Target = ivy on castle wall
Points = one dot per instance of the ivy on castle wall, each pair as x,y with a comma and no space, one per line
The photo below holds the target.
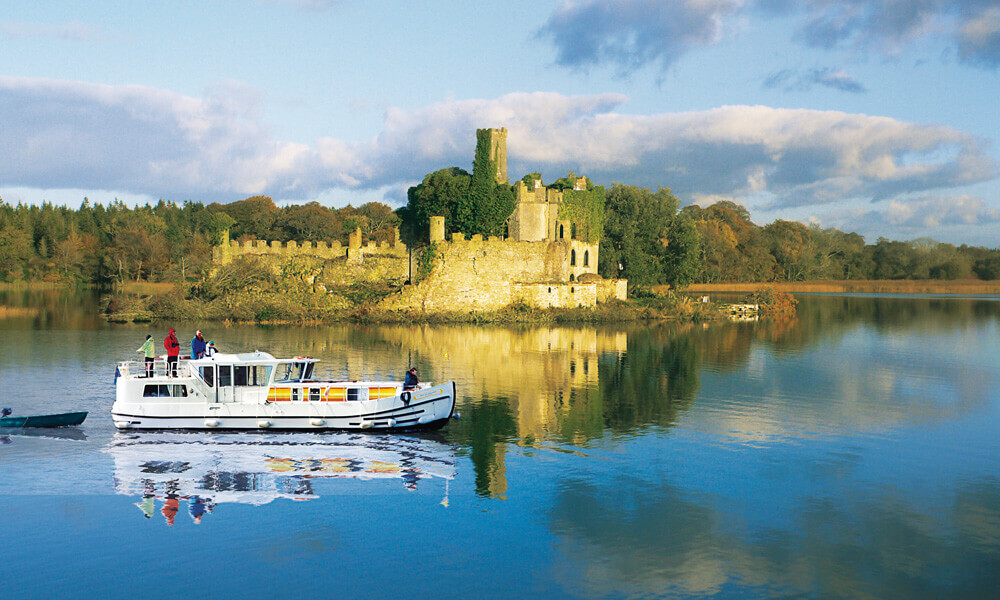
427,260
585,209
491,203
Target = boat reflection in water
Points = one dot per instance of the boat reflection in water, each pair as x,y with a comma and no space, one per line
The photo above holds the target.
206,469
57,433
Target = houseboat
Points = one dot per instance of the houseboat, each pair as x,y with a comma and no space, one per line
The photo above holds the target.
255,390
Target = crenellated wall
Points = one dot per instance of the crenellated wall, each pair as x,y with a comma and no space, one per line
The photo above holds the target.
229,250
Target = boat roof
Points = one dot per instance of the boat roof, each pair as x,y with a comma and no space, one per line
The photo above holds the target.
255,357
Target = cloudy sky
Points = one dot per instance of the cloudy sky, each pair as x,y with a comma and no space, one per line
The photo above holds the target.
879,117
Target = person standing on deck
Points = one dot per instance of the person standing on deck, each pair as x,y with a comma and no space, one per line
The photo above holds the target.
197,346
173,349
150,354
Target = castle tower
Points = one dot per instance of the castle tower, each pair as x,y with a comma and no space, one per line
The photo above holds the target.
498,152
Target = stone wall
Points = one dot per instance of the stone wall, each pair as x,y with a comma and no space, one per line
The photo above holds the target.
326,265
485,275
612,289
536,213
354,252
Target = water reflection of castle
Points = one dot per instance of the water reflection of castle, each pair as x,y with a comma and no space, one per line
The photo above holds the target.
526,383
203,470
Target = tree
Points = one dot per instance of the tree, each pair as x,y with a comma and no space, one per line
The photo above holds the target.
791,244
379,218
987,268
15,251
443,193
636,236
681,257
254,217
733,247
308,222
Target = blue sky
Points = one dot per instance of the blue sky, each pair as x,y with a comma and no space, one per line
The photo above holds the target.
874,117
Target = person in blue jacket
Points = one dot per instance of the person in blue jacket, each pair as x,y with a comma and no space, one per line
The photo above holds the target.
411,380
198,345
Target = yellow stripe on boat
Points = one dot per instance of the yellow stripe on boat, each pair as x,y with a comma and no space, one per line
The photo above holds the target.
381,392
279,394
335,394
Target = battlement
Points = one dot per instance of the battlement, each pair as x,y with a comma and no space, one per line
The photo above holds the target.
354,251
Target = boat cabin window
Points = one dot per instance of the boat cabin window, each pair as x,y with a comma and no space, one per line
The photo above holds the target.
293,371
207,375
225,375
313,394
357,393
251,375
164,391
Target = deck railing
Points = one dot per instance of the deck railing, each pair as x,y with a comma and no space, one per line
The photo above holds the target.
137,368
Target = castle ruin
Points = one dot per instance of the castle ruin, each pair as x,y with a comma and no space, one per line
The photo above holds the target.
539,263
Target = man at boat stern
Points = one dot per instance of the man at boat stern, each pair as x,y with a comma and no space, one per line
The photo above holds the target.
411,380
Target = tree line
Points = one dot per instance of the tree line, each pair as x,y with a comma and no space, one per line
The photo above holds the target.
646,237
103,245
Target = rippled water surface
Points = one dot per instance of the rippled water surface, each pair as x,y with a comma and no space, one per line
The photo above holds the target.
851,453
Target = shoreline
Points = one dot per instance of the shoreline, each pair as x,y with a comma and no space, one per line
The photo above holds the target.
847,286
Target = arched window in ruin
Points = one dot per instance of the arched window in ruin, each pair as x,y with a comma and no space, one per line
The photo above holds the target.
572,257
560,232
572,277
586,258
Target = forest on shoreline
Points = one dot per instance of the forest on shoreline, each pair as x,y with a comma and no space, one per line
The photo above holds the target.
646,237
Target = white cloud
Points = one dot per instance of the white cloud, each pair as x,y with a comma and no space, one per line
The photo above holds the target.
134,139
928,212
139,140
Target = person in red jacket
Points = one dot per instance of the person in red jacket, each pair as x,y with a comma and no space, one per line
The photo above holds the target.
173,349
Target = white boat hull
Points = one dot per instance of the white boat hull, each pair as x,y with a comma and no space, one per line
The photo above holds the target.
428,408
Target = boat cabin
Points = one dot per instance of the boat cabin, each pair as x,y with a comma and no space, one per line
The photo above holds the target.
255,378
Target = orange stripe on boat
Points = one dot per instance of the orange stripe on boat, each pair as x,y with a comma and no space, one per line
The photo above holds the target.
381,392
335,394
279,394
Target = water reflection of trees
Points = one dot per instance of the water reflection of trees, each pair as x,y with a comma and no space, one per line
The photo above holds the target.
625,537
650,384
824,316
60,308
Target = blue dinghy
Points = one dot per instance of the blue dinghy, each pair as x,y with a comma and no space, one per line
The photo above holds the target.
60,420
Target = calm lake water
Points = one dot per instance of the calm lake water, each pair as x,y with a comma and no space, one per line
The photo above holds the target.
851,453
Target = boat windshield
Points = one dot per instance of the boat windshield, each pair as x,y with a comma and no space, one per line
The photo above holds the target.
293,371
